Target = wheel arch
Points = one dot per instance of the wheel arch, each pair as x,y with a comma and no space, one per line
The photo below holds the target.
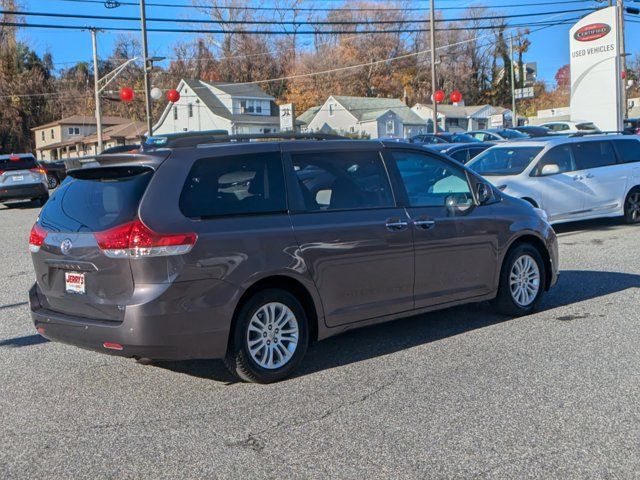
531,201
538,244
288,284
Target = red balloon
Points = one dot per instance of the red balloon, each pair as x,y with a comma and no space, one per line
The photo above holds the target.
623,74
456,96
126,94
173,96
438,96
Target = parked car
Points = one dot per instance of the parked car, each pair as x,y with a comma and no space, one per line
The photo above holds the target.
444,137
498,135
632,126
22,179
570,178
461,152
121,149
571,127
249,251
534,131
56,172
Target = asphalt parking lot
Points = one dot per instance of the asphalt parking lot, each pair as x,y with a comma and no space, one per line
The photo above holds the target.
459,393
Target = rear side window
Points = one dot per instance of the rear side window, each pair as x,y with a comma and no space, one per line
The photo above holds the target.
628,150
461,156
342,180
17,163
593,155
234,185
96,199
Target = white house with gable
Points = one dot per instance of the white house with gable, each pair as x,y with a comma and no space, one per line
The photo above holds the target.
236,108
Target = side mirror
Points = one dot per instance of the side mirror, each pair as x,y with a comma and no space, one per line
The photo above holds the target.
550,169
484,193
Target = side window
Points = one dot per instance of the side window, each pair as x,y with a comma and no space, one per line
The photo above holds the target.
342,180
474,152
234,185
593,154
560,156
461,156
628,150
431,182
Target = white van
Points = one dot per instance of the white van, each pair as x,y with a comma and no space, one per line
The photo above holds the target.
570,178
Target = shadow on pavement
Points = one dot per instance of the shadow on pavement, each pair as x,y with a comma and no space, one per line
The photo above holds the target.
597,225
25,341
357,345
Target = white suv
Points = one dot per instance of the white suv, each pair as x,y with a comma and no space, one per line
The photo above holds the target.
570,178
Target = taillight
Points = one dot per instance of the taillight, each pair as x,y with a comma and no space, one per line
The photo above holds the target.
136,240
36,238
38,170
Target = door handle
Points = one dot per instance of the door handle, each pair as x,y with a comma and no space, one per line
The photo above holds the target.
577,177
424,224
590,175
395,224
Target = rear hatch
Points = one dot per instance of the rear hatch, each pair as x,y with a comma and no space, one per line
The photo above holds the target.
19,170
76,276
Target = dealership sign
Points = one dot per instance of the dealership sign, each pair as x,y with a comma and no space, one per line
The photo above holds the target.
595,67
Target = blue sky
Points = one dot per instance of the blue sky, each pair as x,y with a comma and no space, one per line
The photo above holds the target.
550,47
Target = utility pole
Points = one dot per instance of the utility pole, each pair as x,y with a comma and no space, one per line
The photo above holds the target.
433,66
96,89
623,58
147,66
514,114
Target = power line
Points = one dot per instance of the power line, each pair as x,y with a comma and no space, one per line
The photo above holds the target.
281,22
317,9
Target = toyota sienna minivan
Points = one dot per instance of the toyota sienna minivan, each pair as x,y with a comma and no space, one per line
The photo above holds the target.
249,251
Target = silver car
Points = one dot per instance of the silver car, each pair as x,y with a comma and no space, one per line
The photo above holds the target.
22,178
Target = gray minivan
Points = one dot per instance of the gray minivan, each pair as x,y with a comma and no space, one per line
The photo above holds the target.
249,251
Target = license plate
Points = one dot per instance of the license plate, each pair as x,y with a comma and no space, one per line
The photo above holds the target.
74,282
18,178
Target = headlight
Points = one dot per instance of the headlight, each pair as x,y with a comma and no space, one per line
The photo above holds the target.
542,214
502,188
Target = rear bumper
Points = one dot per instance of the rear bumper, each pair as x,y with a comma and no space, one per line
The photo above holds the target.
181,321
16,192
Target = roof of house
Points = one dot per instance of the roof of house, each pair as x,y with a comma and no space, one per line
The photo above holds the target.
366,109
308,115
462,111
241,90
213,103
83,120
129,131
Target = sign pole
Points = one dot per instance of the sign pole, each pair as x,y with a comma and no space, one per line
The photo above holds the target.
514,115
432,29
623,58
96,89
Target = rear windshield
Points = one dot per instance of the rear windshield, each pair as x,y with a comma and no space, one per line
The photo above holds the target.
586,126
24,163
513,134
96,199
504,160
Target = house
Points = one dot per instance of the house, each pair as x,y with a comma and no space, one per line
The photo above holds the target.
460,117
374,117
306,117
235,107
75,136
557,114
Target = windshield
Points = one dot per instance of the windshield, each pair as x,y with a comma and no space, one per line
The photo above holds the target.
504,160
464,138
513,134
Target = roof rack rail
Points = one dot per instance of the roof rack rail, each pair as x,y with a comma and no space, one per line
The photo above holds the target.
193,139
606,132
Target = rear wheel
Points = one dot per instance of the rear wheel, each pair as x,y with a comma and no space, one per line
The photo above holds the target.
52,181
632,206
270,337
522,281
41,200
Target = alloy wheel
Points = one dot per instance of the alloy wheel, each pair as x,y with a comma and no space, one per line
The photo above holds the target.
272,335
524,280
633,207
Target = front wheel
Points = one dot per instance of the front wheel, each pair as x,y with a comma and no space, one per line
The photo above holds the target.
270,337
52,181
522,281
632,206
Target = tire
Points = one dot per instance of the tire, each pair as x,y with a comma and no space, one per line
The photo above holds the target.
40,201
256,312
514,301
632,206
52,181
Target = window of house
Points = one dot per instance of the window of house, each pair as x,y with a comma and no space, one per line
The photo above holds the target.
74,130
53,133
258,107
391,127
191,110
175,112
42,135
331,109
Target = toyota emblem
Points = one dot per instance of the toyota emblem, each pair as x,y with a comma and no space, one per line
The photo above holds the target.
65,246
